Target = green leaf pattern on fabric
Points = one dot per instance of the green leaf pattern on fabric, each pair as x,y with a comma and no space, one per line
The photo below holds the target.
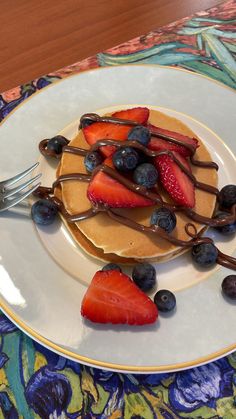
210,50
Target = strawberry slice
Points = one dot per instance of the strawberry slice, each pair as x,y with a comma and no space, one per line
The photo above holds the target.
139,115
175,181
103,189
109,162
106,130
161,144
113,298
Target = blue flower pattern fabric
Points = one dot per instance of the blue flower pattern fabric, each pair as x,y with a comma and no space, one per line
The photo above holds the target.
37,383
48,392
60,388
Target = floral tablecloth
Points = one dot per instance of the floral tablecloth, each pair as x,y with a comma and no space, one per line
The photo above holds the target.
35,382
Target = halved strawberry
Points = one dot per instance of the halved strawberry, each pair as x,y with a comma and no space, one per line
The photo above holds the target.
138,114
106,130
175,181
161,144
113,298
109,162
103,189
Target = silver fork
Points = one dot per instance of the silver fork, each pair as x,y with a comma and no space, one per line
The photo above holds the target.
9,197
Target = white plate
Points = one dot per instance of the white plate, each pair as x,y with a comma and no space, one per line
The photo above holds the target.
43,299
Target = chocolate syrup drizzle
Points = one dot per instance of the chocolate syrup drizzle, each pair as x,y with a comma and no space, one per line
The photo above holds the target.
157,132
153,195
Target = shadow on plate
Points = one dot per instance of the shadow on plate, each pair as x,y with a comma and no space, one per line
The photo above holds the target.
122,327
21,211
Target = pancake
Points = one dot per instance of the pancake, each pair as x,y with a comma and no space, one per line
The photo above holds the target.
86,244
105,238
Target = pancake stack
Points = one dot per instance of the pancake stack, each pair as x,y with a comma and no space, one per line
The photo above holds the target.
107,239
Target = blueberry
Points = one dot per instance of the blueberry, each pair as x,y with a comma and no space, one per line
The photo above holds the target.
146,175
111,267
44,212
56,144
229,286
86,122
165,300
140,134
144,276
164,218
125,159
143,158
92,160
228,228
227,196
205,254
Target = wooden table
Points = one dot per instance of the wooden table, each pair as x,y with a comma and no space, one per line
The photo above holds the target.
39,36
